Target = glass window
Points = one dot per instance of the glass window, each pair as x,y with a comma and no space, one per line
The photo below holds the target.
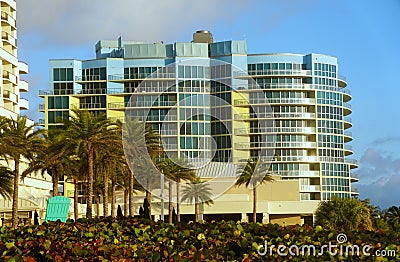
56,75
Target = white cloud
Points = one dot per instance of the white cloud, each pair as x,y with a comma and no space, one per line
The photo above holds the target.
73,21
379,174
384,192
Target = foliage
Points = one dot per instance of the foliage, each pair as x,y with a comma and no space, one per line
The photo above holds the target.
343,214
128,239
6,182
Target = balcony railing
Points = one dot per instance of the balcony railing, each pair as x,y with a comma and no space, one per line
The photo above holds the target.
348,147
292,86
347,105
87,106
304,130
41,107
351,161
141,76
271,72
310,188
299,173
248,116
90,78
348,133
244,145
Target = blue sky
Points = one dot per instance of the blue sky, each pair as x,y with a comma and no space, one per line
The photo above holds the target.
364,35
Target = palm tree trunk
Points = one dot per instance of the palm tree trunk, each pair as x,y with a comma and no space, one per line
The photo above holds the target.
178,201
15,194
113,196
76,211
126,193
131,208
55,183
254,205
196,211
169,201
148,196
105,194
90,185
97,206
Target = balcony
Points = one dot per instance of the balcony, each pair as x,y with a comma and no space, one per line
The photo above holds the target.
342,82
271,72
23,86
9,77
354,191
23,104
88,106
354,177
41,108
346,108
8,38
348,136
298,101
89,79
7,18
141,76
23,67
347,122
353,162
10,96
298,173
253,145
273,130
256,88
249,117
310,188
41,122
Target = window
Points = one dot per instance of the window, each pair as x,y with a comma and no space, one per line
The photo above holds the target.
62,74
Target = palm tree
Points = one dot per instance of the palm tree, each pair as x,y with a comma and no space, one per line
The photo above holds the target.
343,214
18,140
393,216
141,146
176,170
6,182
198,192
251,175
89,134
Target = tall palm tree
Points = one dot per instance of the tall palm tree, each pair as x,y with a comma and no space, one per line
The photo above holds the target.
198,192
251,175
18,140
141,146
175,170
6,182
89,134
186,173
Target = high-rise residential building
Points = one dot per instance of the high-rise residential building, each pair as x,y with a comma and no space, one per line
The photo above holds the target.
12,86
213,102
34,189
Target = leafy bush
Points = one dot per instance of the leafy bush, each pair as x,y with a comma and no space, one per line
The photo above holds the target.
129,239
